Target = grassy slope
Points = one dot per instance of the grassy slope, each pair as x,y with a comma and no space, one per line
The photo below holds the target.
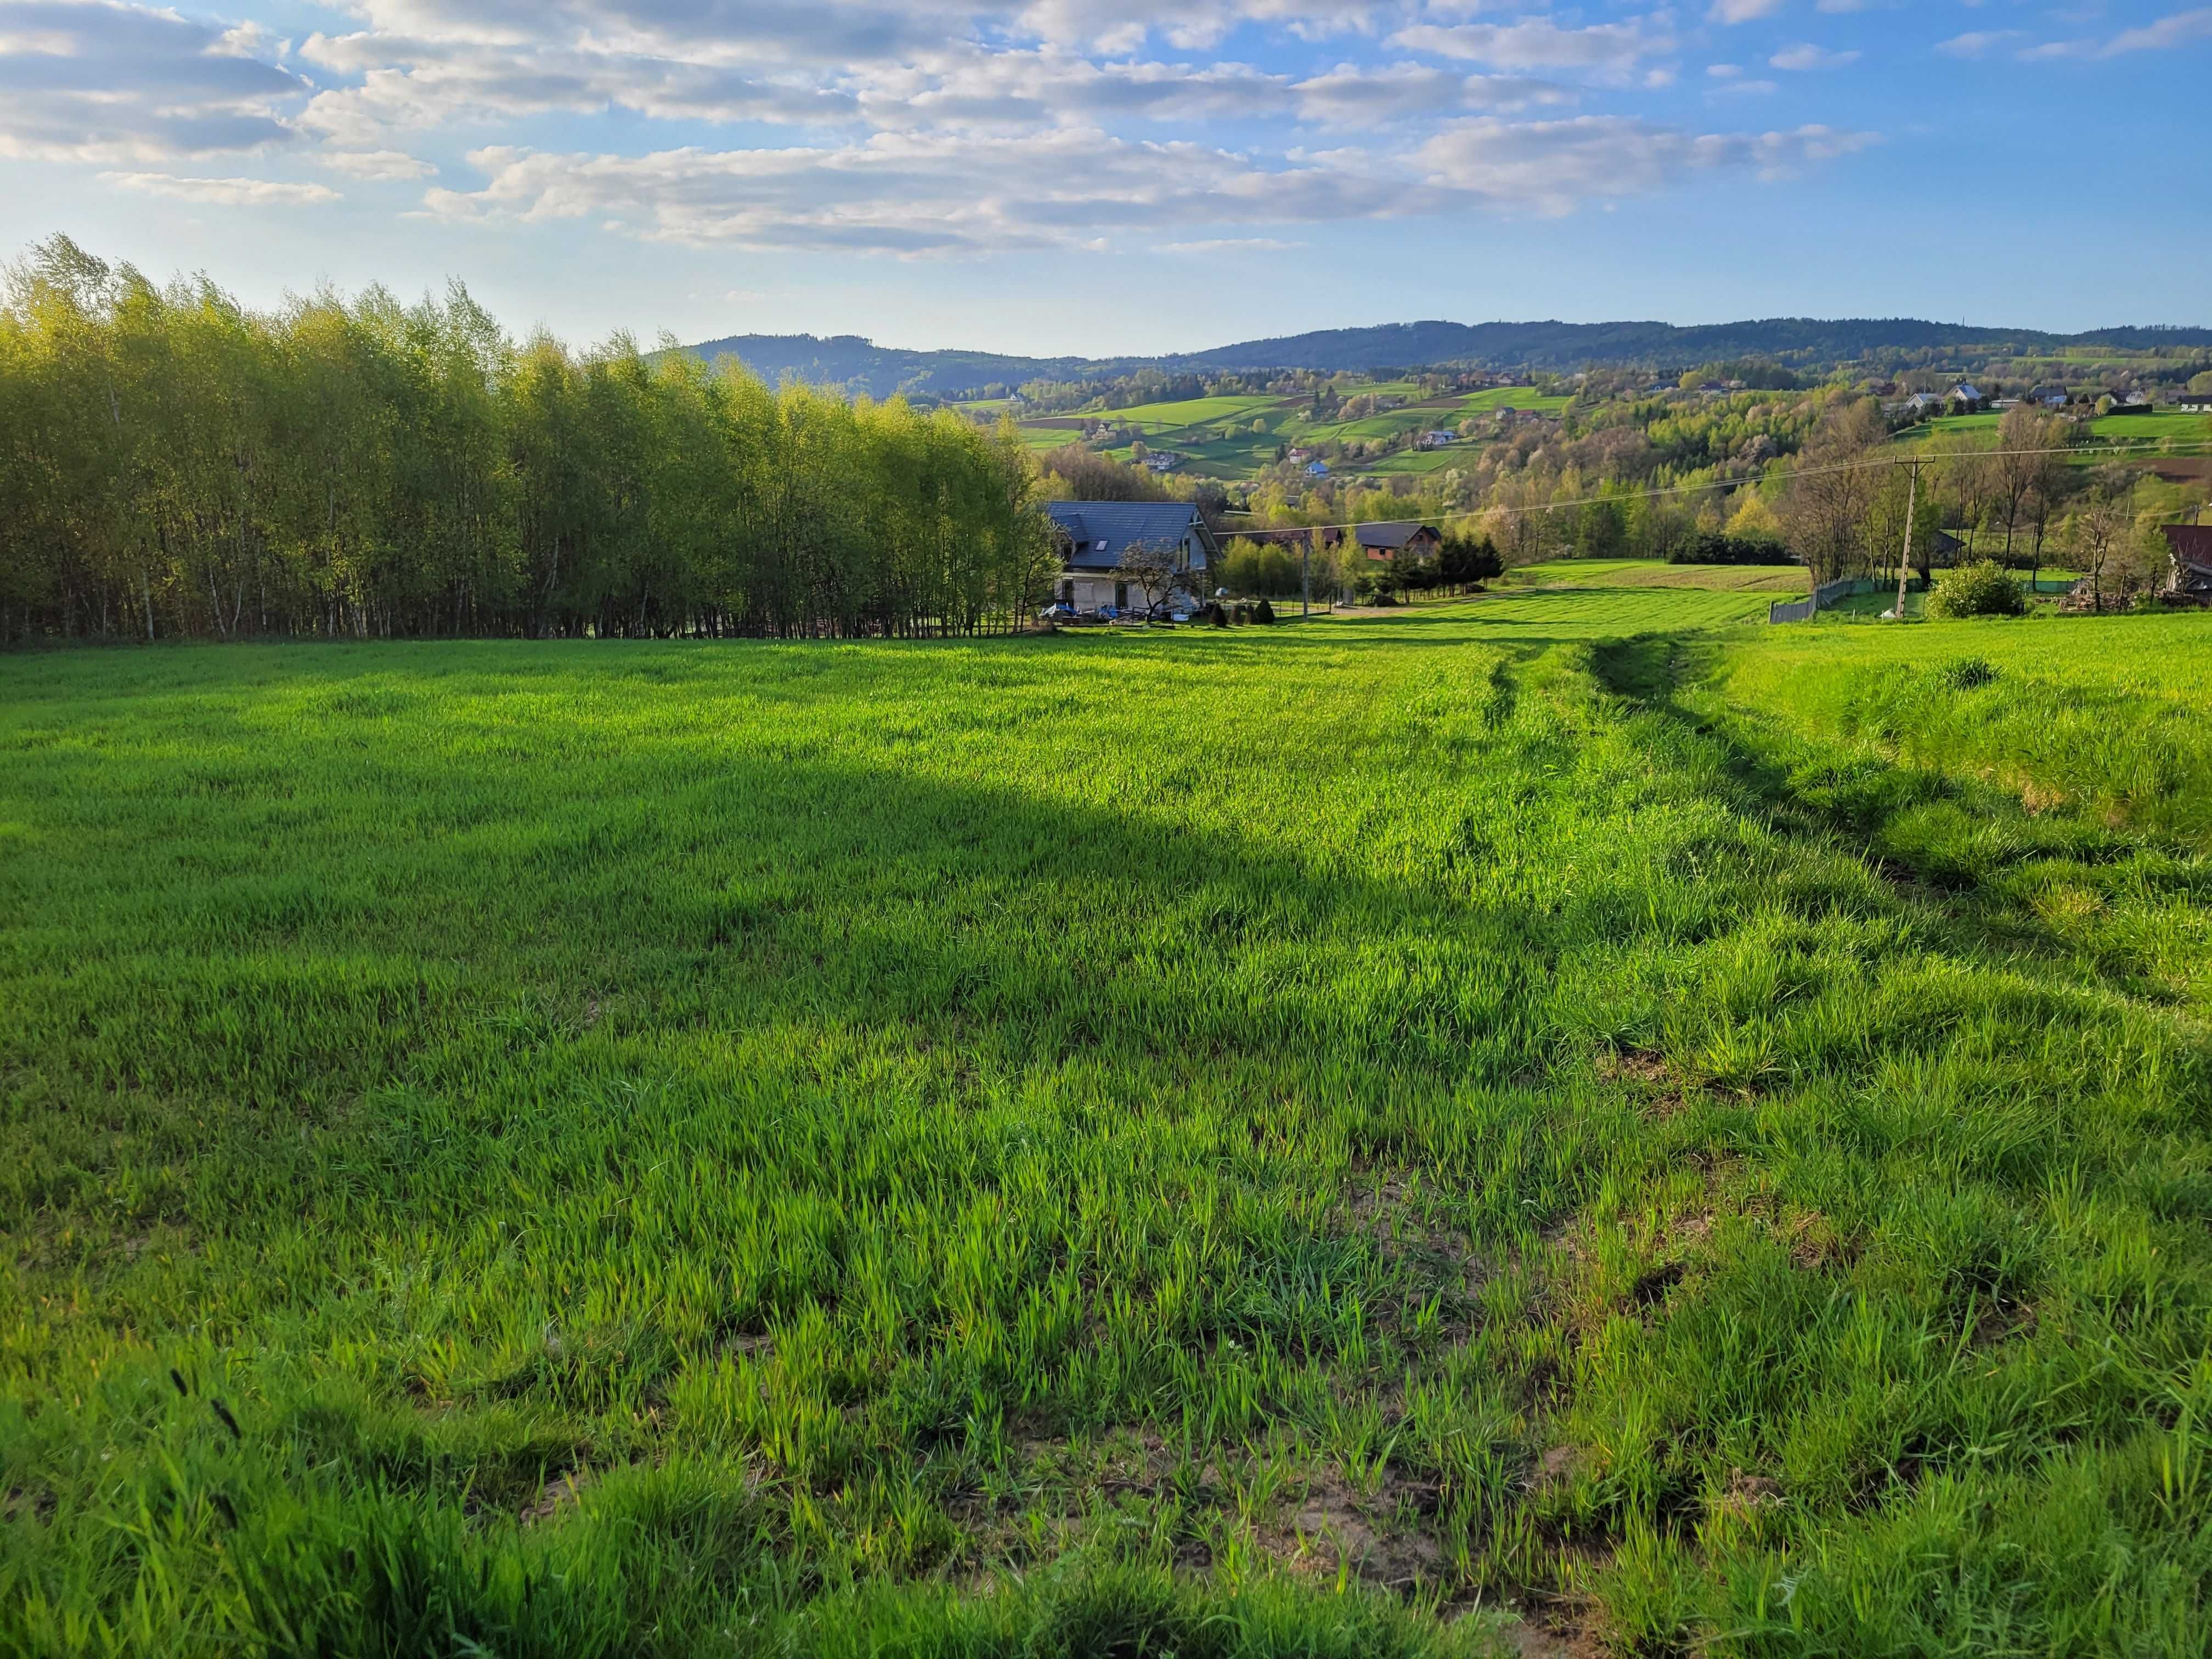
1193,427
2107,428
1517,1143
2110,715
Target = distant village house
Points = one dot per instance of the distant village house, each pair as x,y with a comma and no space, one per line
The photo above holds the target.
1096,536
1384,542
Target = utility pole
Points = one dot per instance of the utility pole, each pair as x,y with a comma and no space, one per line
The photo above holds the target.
1305,575
1904,556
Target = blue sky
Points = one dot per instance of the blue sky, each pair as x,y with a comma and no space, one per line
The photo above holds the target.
1102,176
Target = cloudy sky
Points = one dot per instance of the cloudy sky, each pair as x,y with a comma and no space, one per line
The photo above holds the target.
1131,175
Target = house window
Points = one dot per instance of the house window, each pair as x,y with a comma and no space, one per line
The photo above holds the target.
1067,593
1121,595
1102,547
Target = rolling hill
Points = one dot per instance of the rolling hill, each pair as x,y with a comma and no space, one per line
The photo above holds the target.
859,365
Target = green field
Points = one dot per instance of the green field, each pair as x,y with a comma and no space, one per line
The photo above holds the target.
1527,402
1195,411
1419,461
2107,428
1770,582
1552,1123
1194,427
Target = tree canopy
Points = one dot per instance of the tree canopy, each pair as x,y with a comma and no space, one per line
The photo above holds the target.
174,464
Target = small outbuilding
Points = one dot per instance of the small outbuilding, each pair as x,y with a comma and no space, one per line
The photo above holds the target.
2190,578
1386,542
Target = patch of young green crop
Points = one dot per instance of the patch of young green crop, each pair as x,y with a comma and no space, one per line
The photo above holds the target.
1421,461
1519,398
1770,580
2103,712
1193,412
1095,1143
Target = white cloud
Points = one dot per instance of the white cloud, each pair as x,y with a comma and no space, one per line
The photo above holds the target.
223,192
924,194
379,164
103,82
1742,11
1975,43
1555,166
913,194
410,85
1235,245
900,127
2178,30
1352,96
1536,43
1806,56
2166,34
975,89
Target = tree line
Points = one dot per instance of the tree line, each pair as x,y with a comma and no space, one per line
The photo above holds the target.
1820,482
175,465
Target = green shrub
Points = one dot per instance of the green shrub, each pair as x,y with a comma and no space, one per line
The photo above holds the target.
1984,588
1967,673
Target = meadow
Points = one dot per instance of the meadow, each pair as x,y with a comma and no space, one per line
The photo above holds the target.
1556,1124
1215,434
2146,430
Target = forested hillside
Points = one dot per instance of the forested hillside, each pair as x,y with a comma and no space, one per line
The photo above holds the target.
174,464
860,365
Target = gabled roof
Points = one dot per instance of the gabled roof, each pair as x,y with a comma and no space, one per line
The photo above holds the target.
2191,544
1103,531
1392,535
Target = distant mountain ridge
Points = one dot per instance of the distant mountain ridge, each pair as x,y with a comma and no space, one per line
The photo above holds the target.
859,365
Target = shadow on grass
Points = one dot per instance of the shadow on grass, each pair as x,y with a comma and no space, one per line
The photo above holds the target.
1957,847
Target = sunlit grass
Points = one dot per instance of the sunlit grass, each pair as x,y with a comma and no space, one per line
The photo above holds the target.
1215,1142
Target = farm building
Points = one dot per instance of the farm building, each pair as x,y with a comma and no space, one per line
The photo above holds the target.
2191,545
1966,395
1389,541
2050,397
1438,440
1096,536
2194,403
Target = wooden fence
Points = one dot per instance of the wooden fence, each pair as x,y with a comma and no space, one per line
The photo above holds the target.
1823,596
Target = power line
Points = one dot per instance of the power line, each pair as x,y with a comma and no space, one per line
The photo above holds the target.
2170,446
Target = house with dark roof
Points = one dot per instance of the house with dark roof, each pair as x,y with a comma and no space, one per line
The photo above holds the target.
1385,542
1094,536
1966,395
2190,547
2050,397
2194,403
